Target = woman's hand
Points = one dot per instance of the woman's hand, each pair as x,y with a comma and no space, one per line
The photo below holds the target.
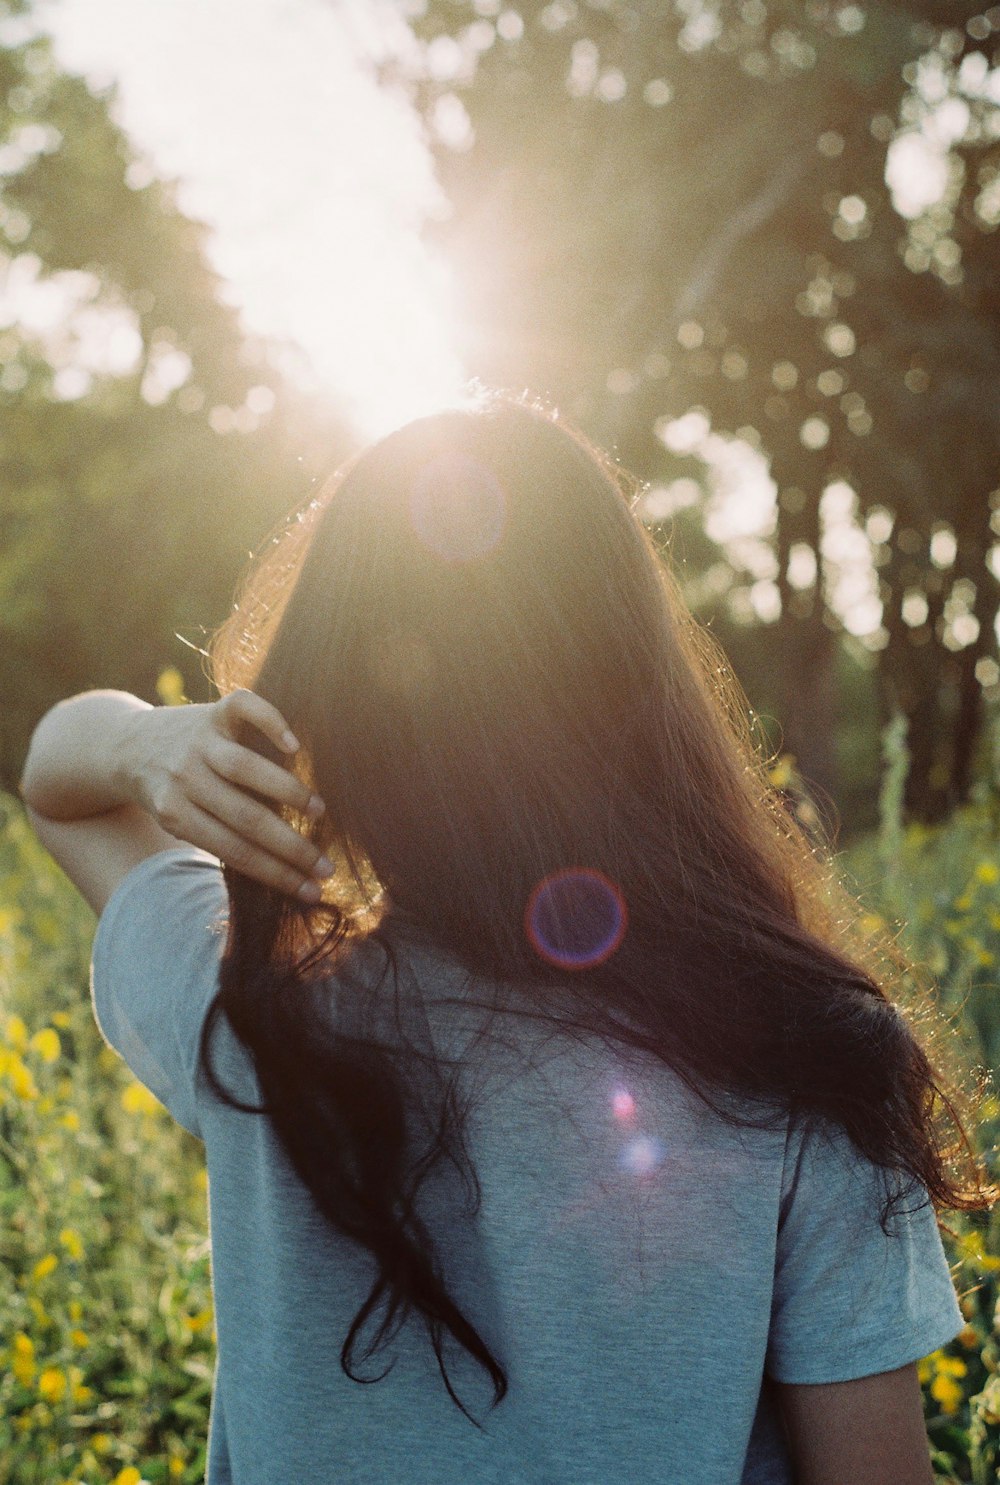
97,756
187,766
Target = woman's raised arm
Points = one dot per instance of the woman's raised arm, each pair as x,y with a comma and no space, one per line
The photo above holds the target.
110,780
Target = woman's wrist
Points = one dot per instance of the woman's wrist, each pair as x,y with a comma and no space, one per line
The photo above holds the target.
87,756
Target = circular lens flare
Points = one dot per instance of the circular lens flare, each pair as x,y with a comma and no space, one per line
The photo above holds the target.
642,1155
576,918
457,507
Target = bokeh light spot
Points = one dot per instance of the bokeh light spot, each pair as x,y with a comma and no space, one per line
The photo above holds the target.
458,507
576,918
623,1105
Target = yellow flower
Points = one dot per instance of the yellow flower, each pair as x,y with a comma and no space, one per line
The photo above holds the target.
44,1266
79,1338
70,1120
46,1043
176,1465
986,957
951,1366
199,1321
988,873
947,1392
780,773
20,1078
128,1476
201,1178
17,1033
70,1240
60,1019
137,1099
52,1384
75,1310
23,1360
101,1443
41,1314
82,1394
170,687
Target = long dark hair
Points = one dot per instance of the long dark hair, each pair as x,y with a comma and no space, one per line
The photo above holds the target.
533,756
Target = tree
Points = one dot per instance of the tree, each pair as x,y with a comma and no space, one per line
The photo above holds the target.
146,442
666,207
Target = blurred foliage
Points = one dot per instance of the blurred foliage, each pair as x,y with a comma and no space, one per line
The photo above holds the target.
146,443
661,209
105,1307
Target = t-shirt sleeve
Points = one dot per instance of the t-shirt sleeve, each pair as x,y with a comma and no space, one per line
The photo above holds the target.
155,970
849,1300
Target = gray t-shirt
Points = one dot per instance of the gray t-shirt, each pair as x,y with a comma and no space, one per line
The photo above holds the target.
642,1269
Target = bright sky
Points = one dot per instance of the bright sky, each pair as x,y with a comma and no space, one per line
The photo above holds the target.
316,181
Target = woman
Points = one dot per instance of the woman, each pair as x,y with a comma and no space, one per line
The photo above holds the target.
542,1082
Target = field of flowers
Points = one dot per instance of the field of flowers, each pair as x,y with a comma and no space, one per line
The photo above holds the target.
106,1339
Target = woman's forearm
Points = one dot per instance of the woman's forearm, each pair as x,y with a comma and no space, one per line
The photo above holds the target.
82,758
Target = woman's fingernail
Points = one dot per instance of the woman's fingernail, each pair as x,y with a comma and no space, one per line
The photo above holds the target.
290,741
315,808
310,892
323,868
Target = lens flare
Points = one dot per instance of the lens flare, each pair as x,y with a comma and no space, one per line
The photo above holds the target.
642,1156
457,507
576,918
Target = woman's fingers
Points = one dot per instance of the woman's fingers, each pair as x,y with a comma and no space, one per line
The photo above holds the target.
254,824
212,834
247,769
247,706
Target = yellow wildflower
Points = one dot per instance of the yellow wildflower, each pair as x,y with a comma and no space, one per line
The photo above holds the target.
107,1059
987,872
101,1443
46,1103
947,1392
199,1321
79,1338
176,1465
23,1359
951,1366
47,1044
17,1033
781,771
170,687
986,957
128,1476
52,1384
20,1078
60,1019
82,1394
41,1314
70,1240
70,1120
44,1266
137,1099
